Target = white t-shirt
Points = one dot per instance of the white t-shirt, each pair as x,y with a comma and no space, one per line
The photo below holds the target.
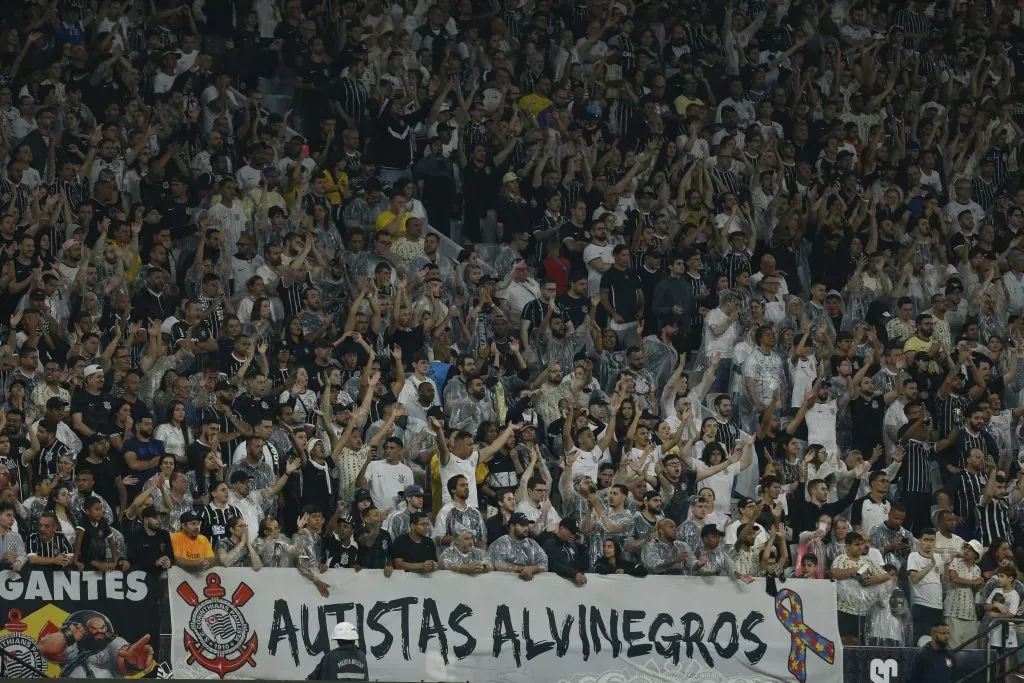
466,468
721,483
386,481
533,513
948,548
821,425
722,345
588,463
804,372
928,591
730,534
591,252
1012,602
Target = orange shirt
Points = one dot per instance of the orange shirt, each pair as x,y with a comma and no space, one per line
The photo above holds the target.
187,549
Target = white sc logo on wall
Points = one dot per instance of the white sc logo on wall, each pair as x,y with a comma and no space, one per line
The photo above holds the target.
884,671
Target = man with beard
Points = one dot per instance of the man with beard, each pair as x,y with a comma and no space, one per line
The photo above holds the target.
46,453
142,453
645,525
84,491
459,516
397,523
86,647
420,392
475,408
555,343
150,548
516,552
457,388
933,663
232,428
923,340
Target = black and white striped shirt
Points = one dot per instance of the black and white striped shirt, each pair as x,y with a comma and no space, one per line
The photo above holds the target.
727,435
966,441
994,521
352,97
56,546
915,474
214,522
697,287
984,192
969,488
946,411
736,262
76,191
912,22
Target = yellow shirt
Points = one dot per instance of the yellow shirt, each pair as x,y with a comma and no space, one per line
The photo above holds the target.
184,547
341,183
682,102
385,218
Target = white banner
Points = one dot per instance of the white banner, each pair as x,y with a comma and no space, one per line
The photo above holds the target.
497,628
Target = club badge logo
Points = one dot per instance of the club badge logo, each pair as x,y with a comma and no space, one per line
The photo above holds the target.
217,636
19,654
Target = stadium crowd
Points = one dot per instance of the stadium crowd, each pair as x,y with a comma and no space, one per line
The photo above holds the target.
669,287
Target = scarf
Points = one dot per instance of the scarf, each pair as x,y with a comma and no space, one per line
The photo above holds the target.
323,468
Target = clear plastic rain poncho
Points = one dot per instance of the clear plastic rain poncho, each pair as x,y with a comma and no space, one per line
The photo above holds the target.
889,616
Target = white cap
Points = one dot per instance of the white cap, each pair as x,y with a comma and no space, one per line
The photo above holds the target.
976,547
91,370
345,631
310,445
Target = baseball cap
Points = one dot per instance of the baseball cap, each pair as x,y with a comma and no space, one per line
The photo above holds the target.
413,490
509,177
224,385
709,529
844,335
518,518
238,477
91,370
598,400
346,519
363,494
570,524
188,516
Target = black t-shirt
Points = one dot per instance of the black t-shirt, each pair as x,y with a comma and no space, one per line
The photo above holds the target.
144,550
867,415
576,309
105,474
410,341
404,549
622,286
95,409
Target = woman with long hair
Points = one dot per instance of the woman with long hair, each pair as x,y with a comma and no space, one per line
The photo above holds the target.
295,341
261,322
59,503
304,398
175,433
612,561
835,543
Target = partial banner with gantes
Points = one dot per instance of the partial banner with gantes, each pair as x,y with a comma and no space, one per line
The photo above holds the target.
273,624
71,624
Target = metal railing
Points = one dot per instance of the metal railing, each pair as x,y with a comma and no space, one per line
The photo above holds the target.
990,664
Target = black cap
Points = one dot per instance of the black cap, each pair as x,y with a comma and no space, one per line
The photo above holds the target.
598,399
346,519
150,511
188,516
436,412
518,518
413,490
652,494
648,415
56,402
844,335
363,494
743,502
570,524
224,385
240,476
709,529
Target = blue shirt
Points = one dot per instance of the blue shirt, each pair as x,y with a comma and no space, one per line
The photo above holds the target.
931,666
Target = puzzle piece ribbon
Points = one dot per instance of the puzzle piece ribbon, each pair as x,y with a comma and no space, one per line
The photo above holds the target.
801,635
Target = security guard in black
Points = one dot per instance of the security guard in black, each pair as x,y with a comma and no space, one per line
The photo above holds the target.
344,663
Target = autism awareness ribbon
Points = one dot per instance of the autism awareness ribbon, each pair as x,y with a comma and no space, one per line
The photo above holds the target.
801,635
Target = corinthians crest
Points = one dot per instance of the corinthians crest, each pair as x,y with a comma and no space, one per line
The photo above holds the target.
19,654
217,634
